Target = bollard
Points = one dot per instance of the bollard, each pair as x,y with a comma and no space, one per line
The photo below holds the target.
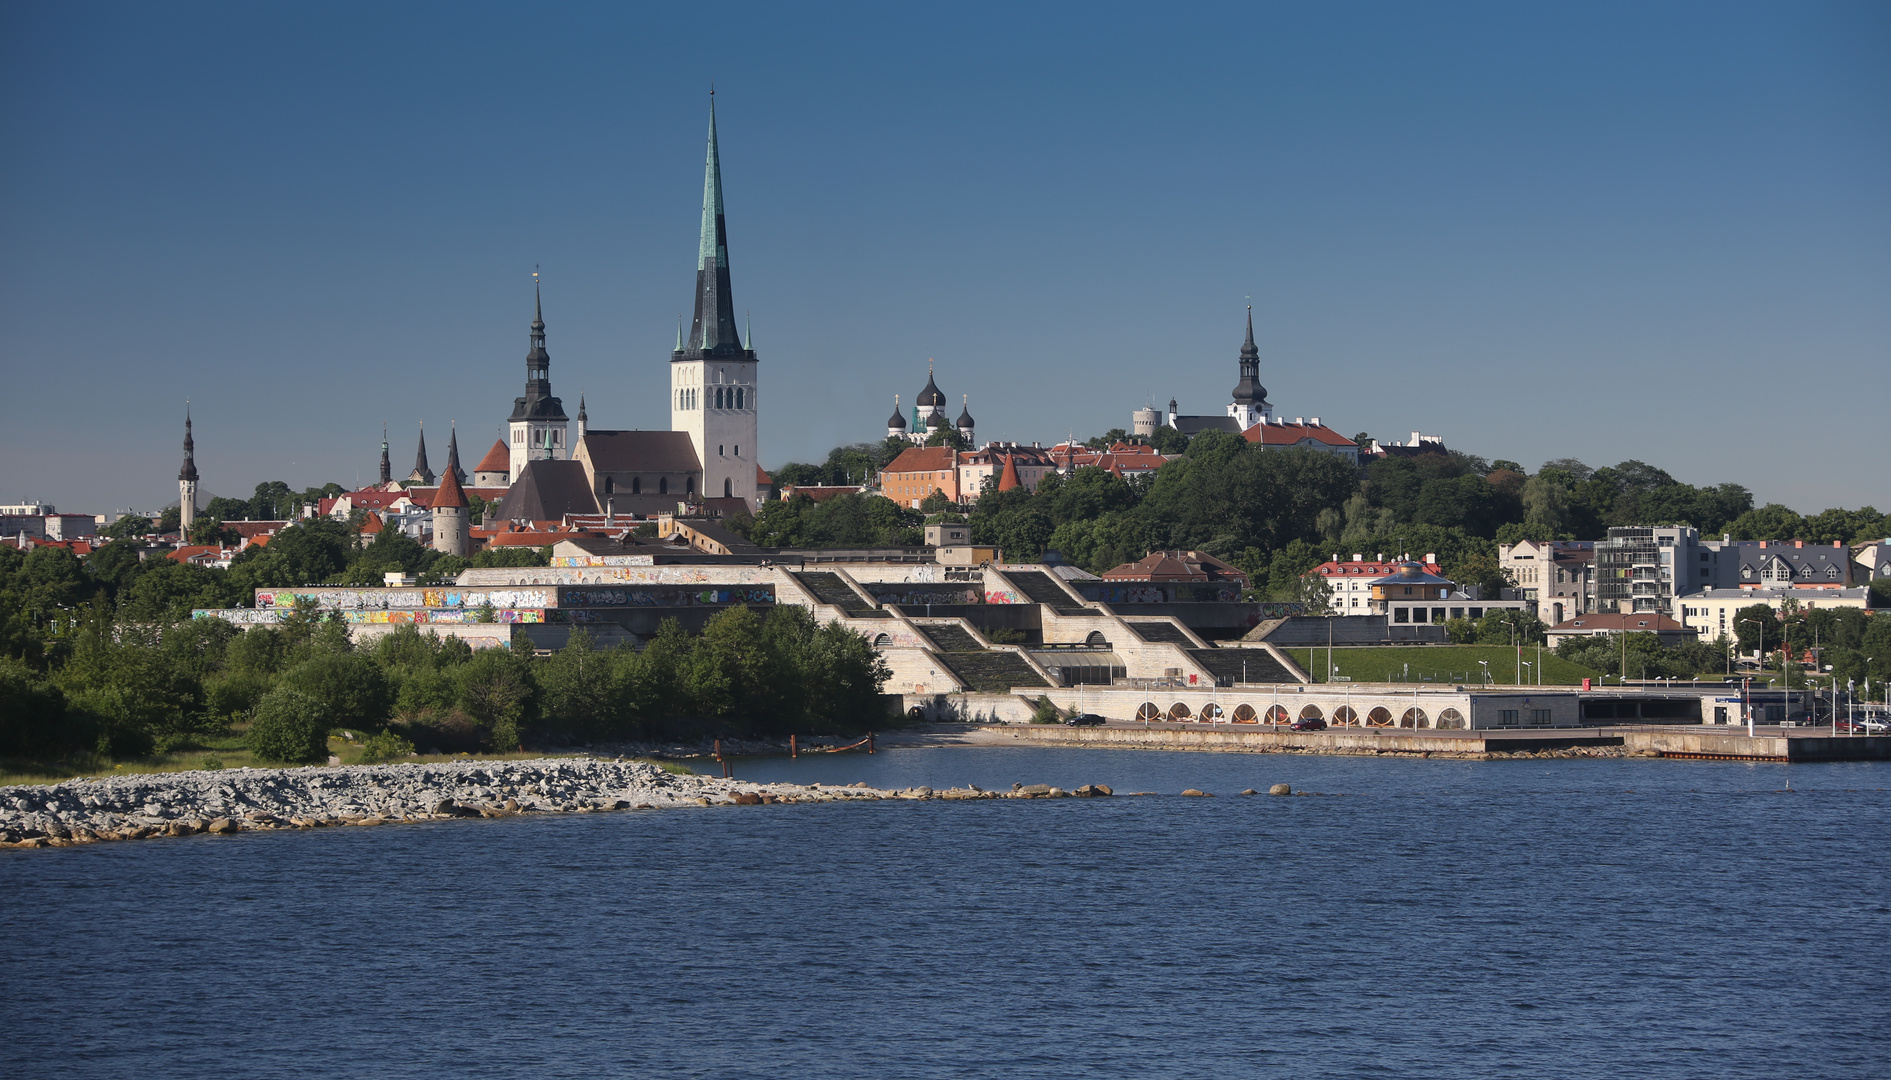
869,742
792,752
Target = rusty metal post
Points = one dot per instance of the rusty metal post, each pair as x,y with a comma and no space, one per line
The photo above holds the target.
869,742
792,752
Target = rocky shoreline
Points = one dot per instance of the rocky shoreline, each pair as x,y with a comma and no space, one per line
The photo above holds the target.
142,806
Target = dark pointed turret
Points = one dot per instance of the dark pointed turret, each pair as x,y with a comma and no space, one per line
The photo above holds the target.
422,473
387,467
713,332
538,402
896,422
1249,392
453,455
189,471
965,413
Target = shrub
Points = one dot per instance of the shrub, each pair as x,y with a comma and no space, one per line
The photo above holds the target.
384,746
1045,713
290,727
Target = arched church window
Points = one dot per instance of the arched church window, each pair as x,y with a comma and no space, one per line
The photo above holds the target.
718,397
726,489
738,397
610,485
689,486
663,485
636,485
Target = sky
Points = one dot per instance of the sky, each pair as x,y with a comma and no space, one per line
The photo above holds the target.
1603,231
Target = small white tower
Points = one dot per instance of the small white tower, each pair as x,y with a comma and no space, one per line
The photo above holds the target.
449,516
187,481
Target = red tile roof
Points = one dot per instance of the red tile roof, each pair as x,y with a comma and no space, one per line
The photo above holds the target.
1652,622
1176,566
449,494
924,459
498,459
371,524
1009,478
1278,434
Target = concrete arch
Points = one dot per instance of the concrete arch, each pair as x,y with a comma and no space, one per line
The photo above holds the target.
1451,718
1380,716
1311,712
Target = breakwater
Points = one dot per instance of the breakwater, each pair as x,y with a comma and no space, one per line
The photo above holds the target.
227,801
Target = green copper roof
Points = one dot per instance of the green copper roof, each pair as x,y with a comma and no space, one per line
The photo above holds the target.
712,201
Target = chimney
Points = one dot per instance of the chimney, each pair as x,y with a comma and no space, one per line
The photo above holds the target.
1431,558
1300,421
1359,556
1799,543
1380,557
1316,421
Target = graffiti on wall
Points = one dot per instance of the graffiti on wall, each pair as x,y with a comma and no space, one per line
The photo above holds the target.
931,595
593,597
1004,596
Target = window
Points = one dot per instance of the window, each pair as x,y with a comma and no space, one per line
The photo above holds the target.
663,485
1506,718
636,485
738,397
1540,717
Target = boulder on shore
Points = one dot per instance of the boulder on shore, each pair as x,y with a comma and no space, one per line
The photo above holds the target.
1281,789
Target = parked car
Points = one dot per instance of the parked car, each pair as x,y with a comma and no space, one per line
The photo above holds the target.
1088,719
1308,723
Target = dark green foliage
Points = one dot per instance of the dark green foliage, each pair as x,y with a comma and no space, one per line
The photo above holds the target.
289,727
495,689
33,715
350,687
512,556
845,521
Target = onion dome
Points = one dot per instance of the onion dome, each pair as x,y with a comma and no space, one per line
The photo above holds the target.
896,420
936,420
965,414
930,397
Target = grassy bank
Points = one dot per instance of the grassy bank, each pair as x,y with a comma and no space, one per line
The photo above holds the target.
1441,664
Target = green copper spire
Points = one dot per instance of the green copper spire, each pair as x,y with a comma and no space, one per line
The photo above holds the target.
712,331
714,248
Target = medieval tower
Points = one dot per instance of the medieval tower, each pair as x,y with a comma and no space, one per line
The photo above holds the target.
712,372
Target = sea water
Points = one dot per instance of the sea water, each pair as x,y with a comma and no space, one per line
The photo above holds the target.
1400,918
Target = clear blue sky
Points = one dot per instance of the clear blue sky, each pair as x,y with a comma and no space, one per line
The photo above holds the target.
1606,231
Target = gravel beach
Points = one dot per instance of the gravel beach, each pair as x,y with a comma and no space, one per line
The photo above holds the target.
239,800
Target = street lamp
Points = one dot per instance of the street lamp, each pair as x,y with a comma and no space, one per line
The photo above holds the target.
1485,664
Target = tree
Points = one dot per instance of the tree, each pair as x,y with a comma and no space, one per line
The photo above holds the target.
1475,570
127,527
575,685
289,727
946,436
1769,522
349,686
496,691
1757,628
1167,440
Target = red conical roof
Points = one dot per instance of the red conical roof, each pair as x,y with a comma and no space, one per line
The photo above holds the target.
449,493
1009,478
498,459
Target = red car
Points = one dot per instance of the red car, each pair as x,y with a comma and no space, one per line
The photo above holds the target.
1307,723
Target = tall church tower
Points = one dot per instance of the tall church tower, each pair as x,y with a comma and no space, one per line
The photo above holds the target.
538,419
712,372
1249,406
187,482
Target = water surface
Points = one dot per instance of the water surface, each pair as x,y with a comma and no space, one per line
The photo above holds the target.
1569,918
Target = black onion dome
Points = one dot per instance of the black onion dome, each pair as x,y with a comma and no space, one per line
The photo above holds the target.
896,420
965,417
930,397
936,420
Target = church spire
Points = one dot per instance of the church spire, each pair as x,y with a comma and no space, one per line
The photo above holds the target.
387,469
1250,397
453,454
713,330
189,471
538,402
422,474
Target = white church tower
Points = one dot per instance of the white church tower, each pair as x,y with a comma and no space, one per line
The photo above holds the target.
712,372
187,483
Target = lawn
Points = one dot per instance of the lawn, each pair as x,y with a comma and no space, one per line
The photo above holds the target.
1441,664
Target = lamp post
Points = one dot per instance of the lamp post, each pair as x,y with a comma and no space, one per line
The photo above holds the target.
1485,664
